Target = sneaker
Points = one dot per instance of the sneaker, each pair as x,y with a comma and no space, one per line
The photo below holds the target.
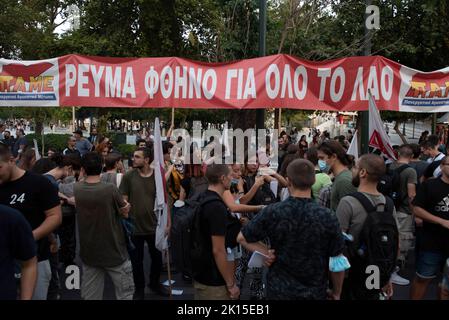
397,279
160,290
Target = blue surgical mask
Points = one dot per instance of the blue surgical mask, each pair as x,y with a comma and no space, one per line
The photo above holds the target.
322,164
235,181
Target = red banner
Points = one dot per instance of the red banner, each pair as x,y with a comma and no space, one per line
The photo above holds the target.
274,81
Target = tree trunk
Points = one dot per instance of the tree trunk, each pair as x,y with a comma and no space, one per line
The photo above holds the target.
39,119
396,128
243,119
39,127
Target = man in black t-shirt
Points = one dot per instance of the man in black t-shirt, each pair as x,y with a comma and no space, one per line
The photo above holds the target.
16,243
37,199
213,275
432,206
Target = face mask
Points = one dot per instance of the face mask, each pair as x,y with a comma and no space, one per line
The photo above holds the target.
322,164
235,181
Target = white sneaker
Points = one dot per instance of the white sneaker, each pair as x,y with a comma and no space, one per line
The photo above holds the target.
397,279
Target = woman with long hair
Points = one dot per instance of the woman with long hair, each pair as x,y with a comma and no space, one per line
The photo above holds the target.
303,142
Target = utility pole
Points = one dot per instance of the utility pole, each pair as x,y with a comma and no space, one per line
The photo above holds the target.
364,115
260,113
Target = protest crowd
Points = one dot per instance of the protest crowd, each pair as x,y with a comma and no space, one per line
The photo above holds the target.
308,230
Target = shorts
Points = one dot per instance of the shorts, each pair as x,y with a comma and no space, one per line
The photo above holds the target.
445,280
429,264
234,253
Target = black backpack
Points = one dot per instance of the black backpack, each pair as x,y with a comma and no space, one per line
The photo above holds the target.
186,237
263,196
390,185
197,185
379,240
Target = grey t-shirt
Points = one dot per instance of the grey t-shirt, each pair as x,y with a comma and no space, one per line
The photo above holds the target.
352,215
102,241
341,187
407,176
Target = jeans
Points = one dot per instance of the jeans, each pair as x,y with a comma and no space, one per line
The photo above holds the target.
43,280
137,261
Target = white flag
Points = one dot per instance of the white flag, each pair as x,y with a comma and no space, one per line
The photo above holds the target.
225,140
378,138
354,147
160,206
36,150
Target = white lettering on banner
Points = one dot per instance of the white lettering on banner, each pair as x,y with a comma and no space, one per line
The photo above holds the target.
272,92
231,74
96,75
323,73
387,75
151,82
70,78
287,82
358,84
83,80
373,83
338,73
250,86
210,92
181,81
112,83
386,84
240,84
113,86
250,83
288,88
128,87
195,82
300,72
166,84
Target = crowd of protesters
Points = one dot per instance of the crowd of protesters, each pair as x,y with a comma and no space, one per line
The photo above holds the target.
311,219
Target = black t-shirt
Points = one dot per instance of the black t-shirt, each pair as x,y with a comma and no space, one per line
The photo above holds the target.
433,196
213,223
16,242
32,195
232,230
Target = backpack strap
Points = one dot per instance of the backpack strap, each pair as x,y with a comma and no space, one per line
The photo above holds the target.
389,205
364,201
369,207
402,168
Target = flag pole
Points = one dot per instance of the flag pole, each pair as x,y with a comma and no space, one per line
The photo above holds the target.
280,119
173,117
167,252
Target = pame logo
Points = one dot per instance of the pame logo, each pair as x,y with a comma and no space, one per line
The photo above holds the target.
26,82
428,90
